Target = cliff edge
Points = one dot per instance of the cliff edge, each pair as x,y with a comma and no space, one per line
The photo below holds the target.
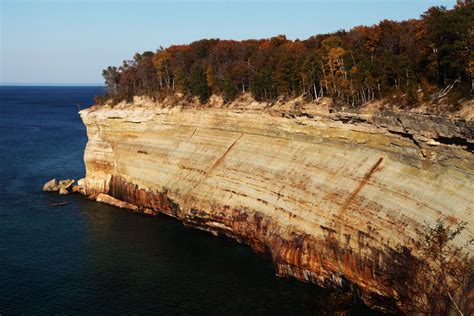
334,198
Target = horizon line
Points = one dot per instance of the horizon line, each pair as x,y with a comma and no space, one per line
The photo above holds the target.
51,84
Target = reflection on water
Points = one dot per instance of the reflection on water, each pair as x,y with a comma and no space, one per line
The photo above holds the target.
90,258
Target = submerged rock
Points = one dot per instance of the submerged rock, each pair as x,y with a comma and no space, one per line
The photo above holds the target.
51,186
59,204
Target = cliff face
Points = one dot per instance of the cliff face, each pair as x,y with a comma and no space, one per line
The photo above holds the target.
332,197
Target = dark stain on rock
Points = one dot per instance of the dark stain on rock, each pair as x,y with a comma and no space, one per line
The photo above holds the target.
361,185
120,189
222,157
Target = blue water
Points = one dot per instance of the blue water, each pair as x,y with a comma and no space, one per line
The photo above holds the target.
87,258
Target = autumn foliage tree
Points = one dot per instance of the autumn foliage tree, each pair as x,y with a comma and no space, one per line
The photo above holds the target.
427,58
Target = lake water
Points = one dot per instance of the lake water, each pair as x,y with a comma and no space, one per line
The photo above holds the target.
87,258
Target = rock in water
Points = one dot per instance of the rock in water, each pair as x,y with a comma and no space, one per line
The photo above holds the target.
61,186
65,184
79,188
59,204
107,199
51,185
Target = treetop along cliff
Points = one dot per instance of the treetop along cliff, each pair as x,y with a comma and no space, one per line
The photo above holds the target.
419,60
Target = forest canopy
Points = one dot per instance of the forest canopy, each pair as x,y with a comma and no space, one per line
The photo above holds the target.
422,59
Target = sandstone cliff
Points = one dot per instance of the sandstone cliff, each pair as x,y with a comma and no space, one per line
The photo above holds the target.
333,197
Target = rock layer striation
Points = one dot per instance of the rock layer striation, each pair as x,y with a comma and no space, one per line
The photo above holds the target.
332,197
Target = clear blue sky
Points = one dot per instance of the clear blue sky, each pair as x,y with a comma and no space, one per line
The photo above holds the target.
71,41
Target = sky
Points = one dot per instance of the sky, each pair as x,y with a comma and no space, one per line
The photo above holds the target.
69,42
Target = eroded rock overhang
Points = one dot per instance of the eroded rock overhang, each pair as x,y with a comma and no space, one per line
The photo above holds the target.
336,199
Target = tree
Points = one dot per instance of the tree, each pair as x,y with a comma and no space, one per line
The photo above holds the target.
444,271
451,38
198,83
112,79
